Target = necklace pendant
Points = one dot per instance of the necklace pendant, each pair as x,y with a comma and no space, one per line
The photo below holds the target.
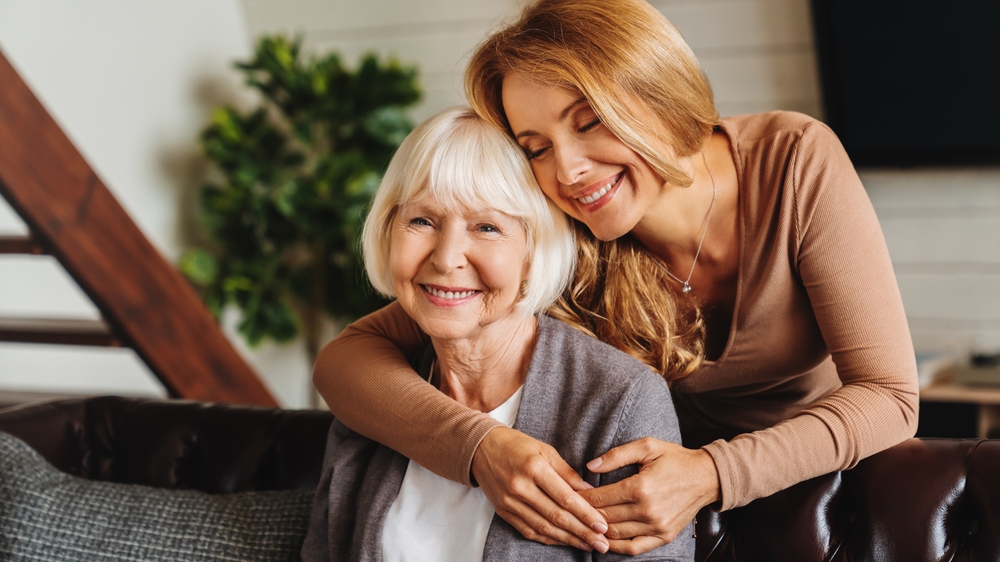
686,288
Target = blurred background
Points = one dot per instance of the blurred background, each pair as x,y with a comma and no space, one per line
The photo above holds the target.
134,84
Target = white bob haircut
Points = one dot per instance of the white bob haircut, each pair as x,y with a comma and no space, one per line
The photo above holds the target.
463,162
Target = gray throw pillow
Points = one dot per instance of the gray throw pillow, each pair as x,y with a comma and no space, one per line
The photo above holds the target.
47,515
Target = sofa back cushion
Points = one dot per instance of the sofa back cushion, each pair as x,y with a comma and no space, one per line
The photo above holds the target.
47,515
177,444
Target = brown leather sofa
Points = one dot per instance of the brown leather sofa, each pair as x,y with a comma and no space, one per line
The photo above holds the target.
924,500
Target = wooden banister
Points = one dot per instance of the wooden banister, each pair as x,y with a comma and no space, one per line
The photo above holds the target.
141,296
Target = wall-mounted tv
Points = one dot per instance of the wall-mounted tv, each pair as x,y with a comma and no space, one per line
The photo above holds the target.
911,82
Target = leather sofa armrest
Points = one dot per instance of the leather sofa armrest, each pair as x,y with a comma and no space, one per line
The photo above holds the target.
54,429
215,448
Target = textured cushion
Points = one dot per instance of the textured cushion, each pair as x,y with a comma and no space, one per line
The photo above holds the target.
47,515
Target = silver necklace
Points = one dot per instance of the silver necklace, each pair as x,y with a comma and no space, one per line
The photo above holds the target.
708,216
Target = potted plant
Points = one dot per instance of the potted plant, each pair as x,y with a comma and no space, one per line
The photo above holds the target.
291,183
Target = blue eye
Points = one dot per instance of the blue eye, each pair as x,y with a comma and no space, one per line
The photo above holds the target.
420,221
488,228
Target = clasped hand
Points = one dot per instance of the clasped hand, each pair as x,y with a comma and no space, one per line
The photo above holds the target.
533,489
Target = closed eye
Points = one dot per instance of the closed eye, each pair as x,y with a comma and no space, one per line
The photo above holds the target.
532,154
590,125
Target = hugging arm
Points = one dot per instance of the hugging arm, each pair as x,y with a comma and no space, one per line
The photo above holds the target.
367,381
646,419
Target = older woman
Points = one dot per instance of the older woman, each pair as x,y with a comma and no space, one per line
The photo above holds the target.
740,257
473,253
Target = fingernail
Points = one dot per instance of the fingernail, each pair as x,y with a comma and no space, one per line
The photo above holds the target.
601,547
599,527
588,485
595,464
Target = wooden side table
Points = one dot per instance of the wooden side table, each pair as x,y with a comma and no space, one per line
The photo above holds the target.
986,398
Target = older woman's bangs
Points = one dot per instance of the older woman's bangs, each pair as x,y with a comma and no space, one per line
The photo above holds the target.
475,166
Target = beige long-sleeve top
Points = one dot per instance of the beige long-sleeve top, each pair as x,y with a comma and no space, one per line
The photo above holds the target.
818,371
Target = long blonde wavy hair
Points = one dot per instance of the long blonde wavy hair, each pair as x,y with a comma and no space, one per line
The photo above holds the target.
648,88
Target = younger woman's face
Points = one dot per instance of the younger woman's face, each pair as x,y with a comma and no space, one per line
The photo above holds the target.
578,162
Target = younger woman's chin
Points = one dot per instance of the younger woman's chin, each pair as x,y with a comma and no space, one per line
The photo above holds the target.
606,231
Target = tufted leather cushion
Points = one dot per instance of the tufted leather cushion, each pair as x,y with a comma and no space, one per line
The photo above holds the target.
176,444
923,500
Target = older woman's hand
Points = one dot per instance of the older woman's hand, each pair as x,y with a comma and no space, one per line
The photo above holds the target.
532,488
650,509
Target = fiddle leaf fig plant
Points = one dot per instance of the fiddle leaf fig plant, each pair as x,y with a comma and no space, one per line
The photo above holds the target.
290,184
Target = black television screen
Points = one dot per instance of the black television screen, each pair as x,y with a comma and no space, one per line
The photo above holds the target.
911,82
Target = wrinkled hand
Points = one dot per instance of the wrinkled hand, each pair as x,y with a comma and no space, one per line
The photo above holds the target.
649,509
532,488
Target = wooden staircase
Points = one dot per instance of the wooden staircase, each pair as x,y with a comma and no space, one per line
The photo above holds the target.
144,302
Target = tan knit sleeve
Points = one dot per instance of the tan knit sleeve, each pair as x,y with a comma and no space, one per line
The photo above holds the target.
370,386
844,265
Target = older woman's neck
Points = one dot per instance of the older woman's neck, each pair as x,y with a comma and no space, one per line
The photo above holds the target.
482,373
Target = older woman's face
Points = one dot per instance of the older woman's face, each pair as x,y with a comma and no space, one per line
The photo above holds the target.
456,271
579,163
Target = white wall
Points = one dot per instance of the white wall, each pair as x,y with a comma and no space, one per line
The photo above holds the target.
132,84
942,226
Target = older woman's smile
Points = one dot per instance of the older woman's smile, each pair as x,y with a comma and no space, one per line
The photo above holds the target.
449,295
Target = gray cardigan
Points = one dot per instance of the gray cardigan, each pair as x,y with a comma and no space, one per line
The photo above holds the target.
581,396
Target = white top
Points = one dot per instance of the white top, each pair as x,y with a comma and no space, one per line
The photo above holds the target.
435,519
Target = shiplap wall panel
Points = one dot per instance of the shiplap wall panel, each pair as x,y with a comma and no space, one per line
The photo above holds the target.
438,36
763,82
444,53
757,54
728,25
323,16
954,338
952,311
950,295
931,189
968,240
444,58
942,226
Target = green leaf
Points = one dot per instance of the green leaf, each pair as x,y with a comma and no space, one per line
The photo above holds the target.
284,198
226,122
237,284
364,186
281,322
389,125
199,266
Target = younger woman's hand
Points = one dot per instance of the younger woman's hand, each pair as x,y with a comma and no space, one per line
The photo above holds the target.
532,488
649,509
